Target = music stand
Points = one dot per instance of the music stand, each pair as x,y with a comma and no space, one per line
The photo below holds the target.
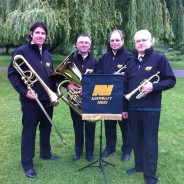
100,160
106,90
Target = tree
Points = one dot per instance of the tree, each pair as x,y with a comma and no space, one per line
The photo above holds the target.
176,9
145,14
65,19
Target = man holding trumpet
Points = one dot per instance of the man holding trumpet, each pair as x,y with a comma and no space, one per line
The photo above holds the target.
143,104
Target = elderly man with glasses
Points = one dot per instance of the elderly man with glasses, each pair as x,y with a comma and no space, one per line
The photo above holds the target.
144,106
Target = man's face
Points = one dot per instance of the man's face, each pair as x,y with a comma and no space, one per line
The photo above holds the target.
142,42
38,36
83,44
116,42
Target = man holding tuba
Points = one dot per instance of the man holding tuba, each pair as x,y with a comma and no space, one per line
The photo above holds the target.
150,75
40,60
86,65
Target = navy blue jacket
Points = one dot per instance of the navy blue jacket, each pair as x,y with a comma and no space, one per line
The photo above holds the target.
83,65
137,71
42,65
110,63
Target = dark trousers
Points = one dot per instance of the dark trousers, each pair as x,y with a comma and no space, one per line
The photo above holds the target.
144,130
82,128
32,116
111,136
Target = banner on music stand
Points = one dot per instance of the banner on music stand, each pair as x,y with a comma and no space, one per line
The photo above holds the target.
102,97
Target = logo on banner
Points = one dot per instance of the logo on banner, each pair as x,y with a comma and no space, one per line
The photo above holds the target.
102,93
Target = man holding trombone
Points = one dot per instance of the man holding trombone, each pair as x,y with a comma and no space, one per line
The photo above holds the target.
32,91
146,77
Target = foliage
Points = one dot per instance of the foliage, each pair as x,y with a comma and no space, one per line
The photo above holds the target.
171,54
170,163
65,19
176,9
152,15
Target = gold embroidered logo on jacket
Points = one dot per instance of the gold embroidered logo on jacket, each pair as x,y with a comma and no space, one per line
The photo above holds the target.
47,64
148,68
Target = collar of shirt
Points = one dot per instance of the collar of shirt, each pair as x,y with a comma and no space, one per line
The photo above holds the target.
40,48
84,56
139,55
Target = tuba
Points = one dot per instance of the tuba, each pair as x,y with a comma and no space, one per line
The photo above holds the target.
71,74
29,77
142,94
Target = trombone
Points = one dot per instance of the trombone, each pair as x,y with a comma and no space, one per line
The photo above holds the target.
30,77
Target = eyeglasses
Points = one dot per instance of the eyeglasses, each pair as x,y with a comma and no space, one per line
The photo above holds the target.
143,41
113,40
84,42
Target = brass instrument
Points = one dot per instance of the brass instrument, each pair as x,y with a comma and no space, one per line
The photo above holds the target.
72,75
30,77
142,94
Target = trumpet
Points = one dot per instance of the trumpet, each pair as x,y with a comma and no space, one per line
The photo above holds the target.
142,94
30,77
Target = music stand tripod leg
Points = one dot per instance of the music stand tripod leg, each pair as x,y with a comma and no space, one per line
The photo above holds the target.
100,160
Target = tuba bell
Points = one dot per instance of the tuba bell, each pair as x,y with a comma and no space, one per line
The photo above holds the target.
71,74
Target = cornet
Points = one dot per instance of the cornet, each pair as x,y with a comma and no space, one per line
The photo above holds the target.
142,94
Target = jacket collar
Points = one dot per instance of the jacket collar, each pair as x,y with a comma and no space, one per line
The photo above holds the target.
35,46
147,52
118,51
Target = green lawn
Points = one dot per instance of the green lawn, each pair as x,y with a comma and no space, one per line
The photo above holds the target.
171,144
5,60
57,59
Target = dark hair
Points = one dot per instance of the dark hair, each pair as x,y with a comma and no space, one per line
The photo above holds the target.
34,26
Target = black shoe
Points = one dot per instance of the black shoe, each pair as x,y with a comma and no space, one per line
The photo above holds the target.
125,158
152,180
75,158
52,157
134,171
89,158
106,153
30,173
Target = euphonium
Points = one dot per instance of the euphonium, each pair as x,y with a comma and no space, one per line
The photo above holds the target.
71,73
142,94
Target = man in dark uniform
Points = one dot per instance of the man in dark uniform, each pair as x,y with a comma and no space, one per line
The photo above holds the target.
144,110
86,64
37,56
115,60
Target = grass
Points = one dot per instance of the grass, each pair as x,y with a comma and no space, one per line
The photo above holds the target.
170,163
5,60
57,59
